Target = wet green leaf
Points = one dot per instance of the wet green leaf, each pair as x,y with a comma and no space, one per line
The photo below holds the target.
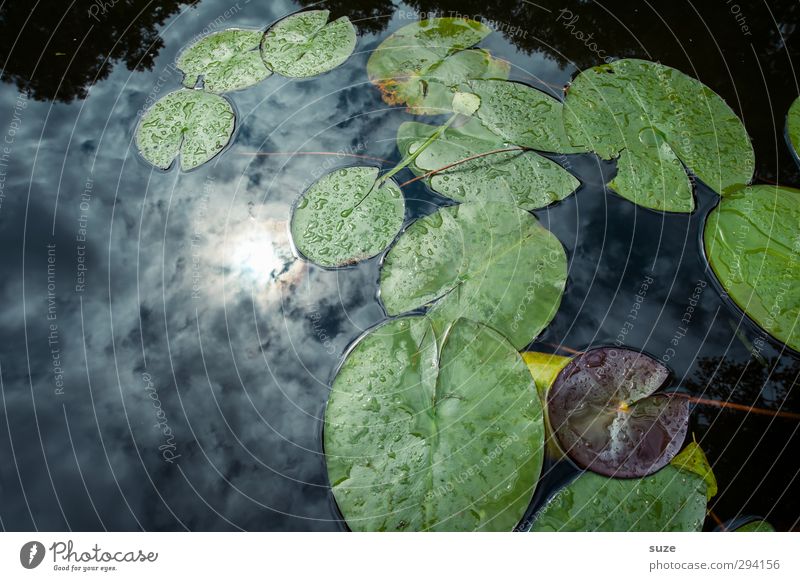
416,441
344,218
522,178
753,246
194,123
606,418
422,64
522,115
492,263
657,113
693,459
669,500
544,368
793,127
226,61
306,44
465,103
756,526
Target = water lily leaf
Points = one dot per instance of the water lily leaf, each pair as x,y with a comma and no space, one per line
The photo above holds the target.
606,418
226,61
466,103
693,459
422,64
305,44
492,263
416,441
523,178
345,218
751,240
756,526
544,368
669,500
522,115
649,109
793,127
196,124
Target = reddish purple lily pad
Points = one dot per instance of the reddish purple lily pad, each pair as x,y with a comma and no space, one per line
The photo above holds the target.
606,418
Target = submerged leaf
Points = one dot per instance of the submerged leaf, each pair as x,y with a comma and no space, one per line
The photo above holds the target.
196,124
756,526
523,178
345,218
522,115
226,61
658,113
672,499
306,44
492,263
416,442
752,243
605,415
422,64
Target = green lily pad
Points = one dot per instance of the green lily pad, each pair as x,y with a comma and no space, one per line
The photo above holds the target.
606,418
657,113
492,263
306,44
522,178
522,115
226,61
751,241
344,218
422,64
195,124
793,127
416,441
756,526
672,499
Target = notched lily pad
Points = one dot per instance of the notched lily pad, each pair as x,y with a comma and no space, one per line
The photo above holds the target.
306,44
522,115
225,61
672,499
195,124
658,113
344,217
523,178
752,243
422,64
492,263
606,418
415,441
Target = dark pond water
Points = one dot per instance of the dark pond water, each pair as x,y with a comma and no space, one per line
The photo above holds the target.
136,302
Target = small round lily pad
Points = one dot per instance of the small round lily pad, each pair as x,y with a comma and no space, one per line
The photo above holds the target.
193,123
346,217
306,44
606,417
225,61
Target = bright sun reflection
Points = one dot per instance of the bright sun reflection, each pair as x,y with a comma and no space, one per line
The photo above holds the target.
259,255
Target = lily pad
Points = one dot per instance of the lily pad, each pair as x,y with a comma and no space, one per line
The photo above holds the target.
492,263
422,64
345,218
793,128
756,526
672,499
523,178
522,115
605,415
752,243
195,124
415,441
544,368
658,113
306,44
226,61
